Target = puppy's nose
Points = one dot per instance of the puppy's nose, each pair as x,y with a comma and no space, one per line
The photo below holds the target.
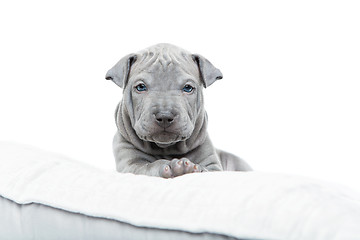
164,119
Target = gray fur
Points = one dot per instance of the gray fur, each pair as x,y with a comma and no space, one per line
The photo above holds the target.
162,130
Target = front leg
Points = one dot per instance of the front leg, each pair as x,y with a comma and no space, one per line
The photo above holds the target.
161,168
131,160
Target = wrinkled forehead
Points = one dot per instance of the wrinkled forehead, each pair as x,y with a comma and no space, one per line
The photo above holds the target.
166,64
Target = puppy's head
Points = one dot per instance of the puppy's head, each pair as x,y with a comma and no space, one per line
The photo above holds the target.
163,91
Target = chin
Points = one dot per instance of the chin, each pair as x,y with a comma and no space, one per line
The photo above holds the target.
165,138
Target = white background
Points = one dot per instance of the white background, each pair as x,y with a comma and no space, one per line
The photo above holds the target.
289,101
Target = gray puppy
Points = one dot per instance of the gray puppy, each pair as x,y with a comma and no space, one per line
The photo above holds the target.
161,119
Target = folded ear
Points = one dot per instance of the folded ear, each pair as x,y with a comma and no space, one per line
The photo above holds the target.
119,73
208,73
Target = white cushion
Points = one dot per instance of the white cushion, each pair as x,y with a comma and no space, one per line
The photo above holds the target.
77,201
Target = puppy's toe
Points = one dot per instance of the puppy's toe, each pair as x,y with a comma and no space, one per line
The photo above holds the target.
165,171
197,168
177,167
189,166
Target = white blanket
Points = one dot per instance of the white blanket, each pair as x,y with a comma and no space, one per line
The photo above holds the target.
251,205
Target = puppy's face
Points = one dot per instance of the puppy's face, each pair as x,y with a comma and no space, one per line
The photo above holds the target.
163,91
166,98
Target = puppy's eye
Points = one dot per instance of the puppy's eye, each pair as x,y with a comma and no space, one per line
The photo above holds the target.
141,87
188,88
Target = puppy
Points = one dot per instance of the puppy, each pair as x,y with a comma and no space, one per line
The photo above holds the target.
161,121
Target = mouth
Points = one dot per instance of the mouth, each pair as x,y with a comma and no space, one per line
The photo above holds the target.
164,139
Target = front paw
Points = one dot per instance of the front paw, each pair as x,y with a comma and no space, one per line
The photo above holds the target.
178,167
